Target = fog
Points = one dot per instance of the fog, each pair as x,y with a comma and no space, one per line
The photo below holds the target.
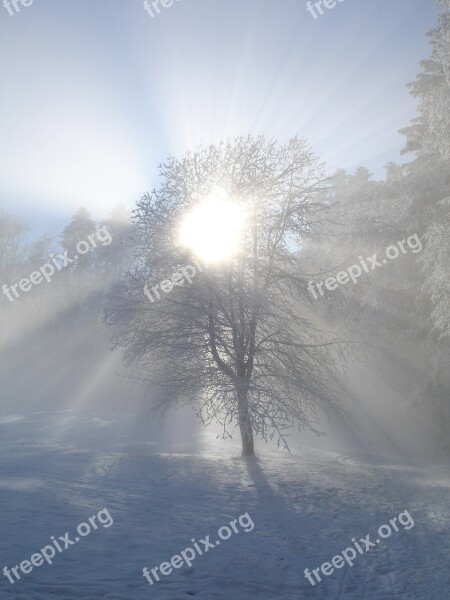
224,299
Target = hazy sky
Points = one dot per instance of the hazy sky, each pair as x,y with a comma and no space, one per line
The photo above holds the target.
96,92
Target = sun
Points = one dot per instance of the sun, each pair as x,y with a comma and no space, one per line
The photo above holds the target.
213,228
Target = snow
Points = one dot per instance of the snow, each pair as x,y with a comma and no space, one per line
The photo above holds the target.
58,469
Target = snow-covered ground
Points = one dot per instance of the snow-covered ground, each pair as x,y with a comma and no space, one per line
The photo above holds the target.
58,469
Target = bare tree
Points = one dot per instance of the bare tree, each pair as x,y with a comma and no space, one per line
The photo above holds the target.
240,342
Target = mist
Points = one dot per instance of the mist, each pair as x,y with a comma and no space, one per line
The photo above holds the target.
224,307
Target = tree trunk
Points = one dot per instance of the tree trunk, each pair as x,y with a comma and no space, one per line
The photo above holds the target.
245,425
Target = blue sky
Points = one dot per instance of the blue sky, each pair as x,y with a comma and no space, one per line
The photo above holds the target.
96,92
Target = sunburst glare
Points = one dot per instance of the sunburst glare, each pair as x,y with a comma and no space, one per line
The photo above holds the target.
213,228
